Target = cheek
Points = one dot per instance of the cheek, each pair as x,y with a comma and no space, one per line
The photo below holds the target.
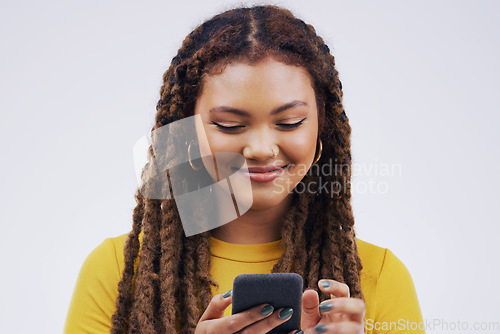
220,142
211,140
205,149
300,147
202,135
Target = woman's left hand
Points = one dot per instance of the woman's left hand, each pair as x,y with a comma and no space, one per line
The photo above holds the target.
345,315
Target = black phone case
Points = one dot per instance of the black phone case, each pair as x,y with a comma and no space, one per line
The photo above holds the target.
278,289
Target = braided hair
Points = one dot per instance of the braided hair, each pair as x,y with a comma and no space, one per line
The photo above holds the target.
172,272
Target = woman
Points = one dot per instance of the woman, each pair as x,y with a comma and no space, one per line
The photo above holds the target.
262,84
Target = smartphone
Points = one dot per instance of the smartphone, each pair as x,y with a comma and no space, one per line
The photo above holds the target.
278,289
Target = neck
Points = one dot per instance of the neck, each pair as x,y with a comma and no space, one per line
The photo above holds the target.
254,226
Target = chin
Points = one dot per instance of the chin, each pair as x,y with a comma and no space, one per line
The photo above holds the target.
267,200
261,206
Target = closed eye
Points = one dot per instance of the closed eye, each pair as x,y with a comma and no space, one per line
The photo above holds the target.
228,128
292,125
236,127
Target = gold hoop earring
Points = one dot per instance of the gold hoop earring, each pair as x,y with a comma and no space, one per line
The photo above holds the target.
320,144
189,158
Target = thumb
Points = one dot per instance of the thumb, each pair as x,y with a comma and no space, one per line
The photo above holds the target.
217,306
310,311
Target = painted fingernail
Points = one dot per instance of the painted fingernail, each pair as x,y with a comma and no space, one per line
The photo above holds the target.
325,307
285,313
227,293
320,328
267,309
325,284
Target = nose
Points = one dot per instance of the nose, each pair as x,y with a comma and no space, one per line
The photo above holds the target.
260,146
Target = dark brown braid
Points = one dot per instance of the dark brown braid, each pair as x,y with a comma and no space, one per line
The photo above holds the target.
172,272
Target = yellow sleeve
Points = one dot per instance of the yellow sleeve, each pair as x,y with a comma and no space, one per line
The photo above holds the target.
397,307
93,301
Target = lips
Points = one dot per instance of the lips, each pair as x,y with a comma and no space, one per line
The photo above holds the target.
262,174
260,170
265,169
264,177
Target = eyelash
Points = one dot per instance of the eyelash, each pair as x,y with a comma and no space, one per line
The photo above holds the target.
232,128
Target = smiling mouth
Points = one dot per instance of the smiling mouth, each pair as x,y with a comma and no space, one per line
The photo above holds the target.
270,171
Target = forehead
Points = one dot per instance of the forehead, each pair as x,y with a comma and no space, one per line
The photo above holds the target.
267,80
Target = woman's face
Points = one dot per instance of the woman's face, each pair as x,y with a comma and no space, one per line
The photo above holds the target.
255,110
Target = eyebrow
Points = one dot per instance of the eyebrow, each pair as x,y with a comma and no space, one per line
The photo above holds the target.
275,111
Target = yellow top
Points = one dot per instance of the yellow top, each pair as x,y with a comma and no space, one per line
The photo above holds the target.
391,301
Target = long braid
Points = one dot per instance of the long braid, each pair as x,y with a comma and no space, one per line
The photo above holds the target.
318,231
313,253
206,279
143,319
131,250
284,264
304,206
351,258
171,237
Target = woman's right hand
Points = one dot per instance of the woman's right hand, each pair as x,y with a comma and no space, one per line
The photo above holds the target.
250,321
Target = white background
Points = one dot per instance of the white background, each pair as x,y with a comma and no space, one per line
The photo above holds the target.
79,85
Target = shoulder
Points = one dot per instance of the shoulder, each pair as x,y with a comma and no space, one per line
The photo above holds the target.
383,274
387,286
106,260
95,292
103,267
378,260
372,258
118,244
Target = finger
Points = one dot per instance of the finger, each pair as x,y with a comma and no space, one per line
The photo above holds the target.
310,312
353,308
236,322
265,325
331,317
334,288
217,306
324,309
